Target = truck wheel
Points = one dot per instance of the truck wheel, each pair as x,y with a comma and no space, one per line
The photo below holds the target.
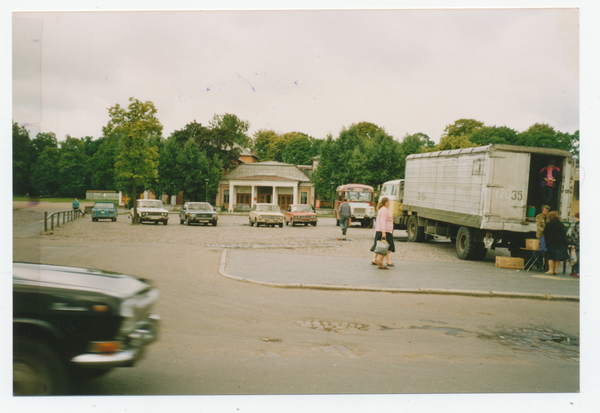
371,223
414,231
214,224
466,248
481,252
37,369
337,222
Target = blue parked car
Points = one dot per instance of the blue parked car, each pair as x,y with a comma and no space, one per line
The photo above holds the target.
104,210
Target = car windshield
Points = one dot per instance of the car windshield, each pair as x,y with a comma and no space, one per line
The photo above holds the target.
104,205
149,203
301,208
267,208
200,207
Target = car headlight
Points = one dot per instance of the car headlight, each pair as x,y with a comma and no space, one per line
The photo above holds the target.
164,214
144,214
260,217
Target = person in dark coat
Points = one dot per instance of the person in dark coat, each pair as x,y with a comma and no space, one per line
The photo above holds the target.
574,244
550,180
556,242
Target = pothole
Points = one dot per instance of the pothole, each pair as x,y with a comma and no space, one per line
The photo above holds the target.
544,341
332,326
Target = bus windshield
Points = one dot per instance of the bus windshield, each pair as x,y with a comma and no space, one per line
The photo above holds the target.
358,196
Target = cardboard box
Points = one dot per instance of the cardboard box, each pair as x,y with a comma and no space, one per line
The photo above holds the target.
510,262
532,244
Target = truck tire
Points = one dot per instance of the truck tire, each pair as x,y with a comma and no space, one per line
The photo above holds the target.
466,248
37,369
414,231
371,223
337,222
481,252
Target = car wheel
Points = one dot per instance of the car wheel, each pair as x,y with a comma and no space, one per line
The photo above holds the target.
314,224
180,221
287,222
187,221
250,222
155,222
37,369
166,221
214,224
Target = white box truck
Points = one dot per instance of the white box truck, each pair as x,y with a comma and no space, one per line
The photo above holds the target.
483,197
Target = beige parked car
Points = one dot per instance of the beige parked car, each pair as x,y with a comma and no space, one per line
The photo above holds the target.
266,214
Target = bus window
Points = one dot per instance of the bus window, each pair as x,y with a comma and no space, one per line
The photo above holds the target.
351,196
394,190
364,196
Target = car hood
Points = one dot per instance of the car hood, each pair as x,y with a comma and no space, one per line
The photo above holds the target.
268,213
150,210
51,276
303,213
359,205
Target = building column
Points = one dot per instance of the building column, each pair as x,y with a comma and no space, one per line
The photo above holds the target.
252,196
274,196
232,197
295,199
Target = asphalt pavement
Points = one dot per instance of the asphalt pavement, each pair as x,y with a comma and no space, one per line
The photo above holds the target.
483,279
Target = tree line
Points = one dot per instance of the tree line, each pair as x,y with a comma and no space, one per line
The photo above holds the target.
132,156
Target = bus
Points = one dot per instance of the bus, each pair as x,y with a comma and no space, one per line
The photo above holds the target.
361,200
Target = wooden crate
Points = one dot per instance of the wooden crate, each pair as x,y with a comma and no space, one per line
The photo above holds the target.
510,262
532,244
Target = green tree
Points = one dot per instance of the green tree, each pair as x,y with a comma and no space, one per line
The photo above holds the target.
198,175
411,144
43,140
168,170
72,167
451,142
102,164
366,130
299,148
462,127
488,135
23,157
44,173
266,144
137,161
542,135
215,142
233,127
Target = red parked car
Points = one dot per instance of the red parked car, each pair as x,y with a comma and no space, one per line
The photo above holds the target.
300,214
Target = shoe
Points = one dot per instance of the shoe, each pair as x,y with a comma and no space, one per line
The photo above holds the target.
391,264
550,273
381,266
373,263
574,275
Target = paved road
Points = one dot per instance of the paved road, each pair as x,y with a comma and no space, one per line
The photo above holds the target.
464,277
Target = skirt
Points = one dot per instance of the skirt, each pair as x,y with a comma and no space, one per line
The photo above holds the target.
389,238
557,252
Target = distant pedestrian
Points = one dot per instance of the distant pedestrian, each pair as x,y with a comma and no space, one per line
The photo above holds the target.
384,228
76,206
345,213
556,242
574,246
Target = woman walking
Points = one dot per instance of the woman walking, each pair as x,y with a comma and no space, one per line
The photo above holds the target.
556,242
384,228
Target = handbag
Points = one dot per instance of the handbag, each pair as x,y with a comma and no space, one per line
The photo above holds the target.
382,247
573,256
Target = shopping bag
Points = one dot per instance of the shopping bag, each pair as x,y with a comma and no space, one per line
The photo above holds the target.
382,247
573,256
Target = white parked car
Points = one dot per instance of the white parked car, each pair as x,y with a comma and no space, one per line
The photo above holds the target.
266,214
151,210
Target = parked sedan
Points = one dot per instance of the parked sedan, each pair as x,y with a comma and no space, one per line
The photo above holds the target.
104,210
74,323
266,214
151,210
300,214
200,212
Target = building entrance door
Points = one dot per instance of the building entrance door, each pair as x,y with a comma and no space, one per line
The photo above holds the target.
285,201
243,199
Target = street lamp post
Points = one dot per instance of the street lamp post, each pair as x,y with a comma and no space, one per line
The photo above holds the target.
206,190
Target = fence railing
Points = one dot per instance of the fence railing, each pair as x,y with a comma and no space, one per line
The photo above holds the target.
67,216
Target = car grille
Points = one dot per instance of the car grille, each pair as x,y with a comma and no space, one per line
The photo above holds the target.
203,215
157,214
359,211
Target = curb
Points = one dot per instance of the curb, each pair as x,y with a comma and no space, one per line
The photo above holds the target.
223,272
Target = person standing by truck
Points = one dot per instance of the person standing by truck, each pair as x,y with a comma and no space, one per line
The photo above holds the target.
345,212
384,228
550,176
574,245
556,242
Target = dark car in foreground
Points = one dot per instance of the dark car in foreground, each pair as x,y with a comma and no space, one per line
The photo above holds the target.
198,212
104,210
71,324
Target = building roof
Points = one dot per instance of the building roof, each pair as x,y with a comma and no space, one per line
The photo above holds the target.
264,171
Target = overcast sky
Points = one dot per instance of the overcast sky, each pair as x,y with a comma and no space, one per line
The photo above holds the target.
315,72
